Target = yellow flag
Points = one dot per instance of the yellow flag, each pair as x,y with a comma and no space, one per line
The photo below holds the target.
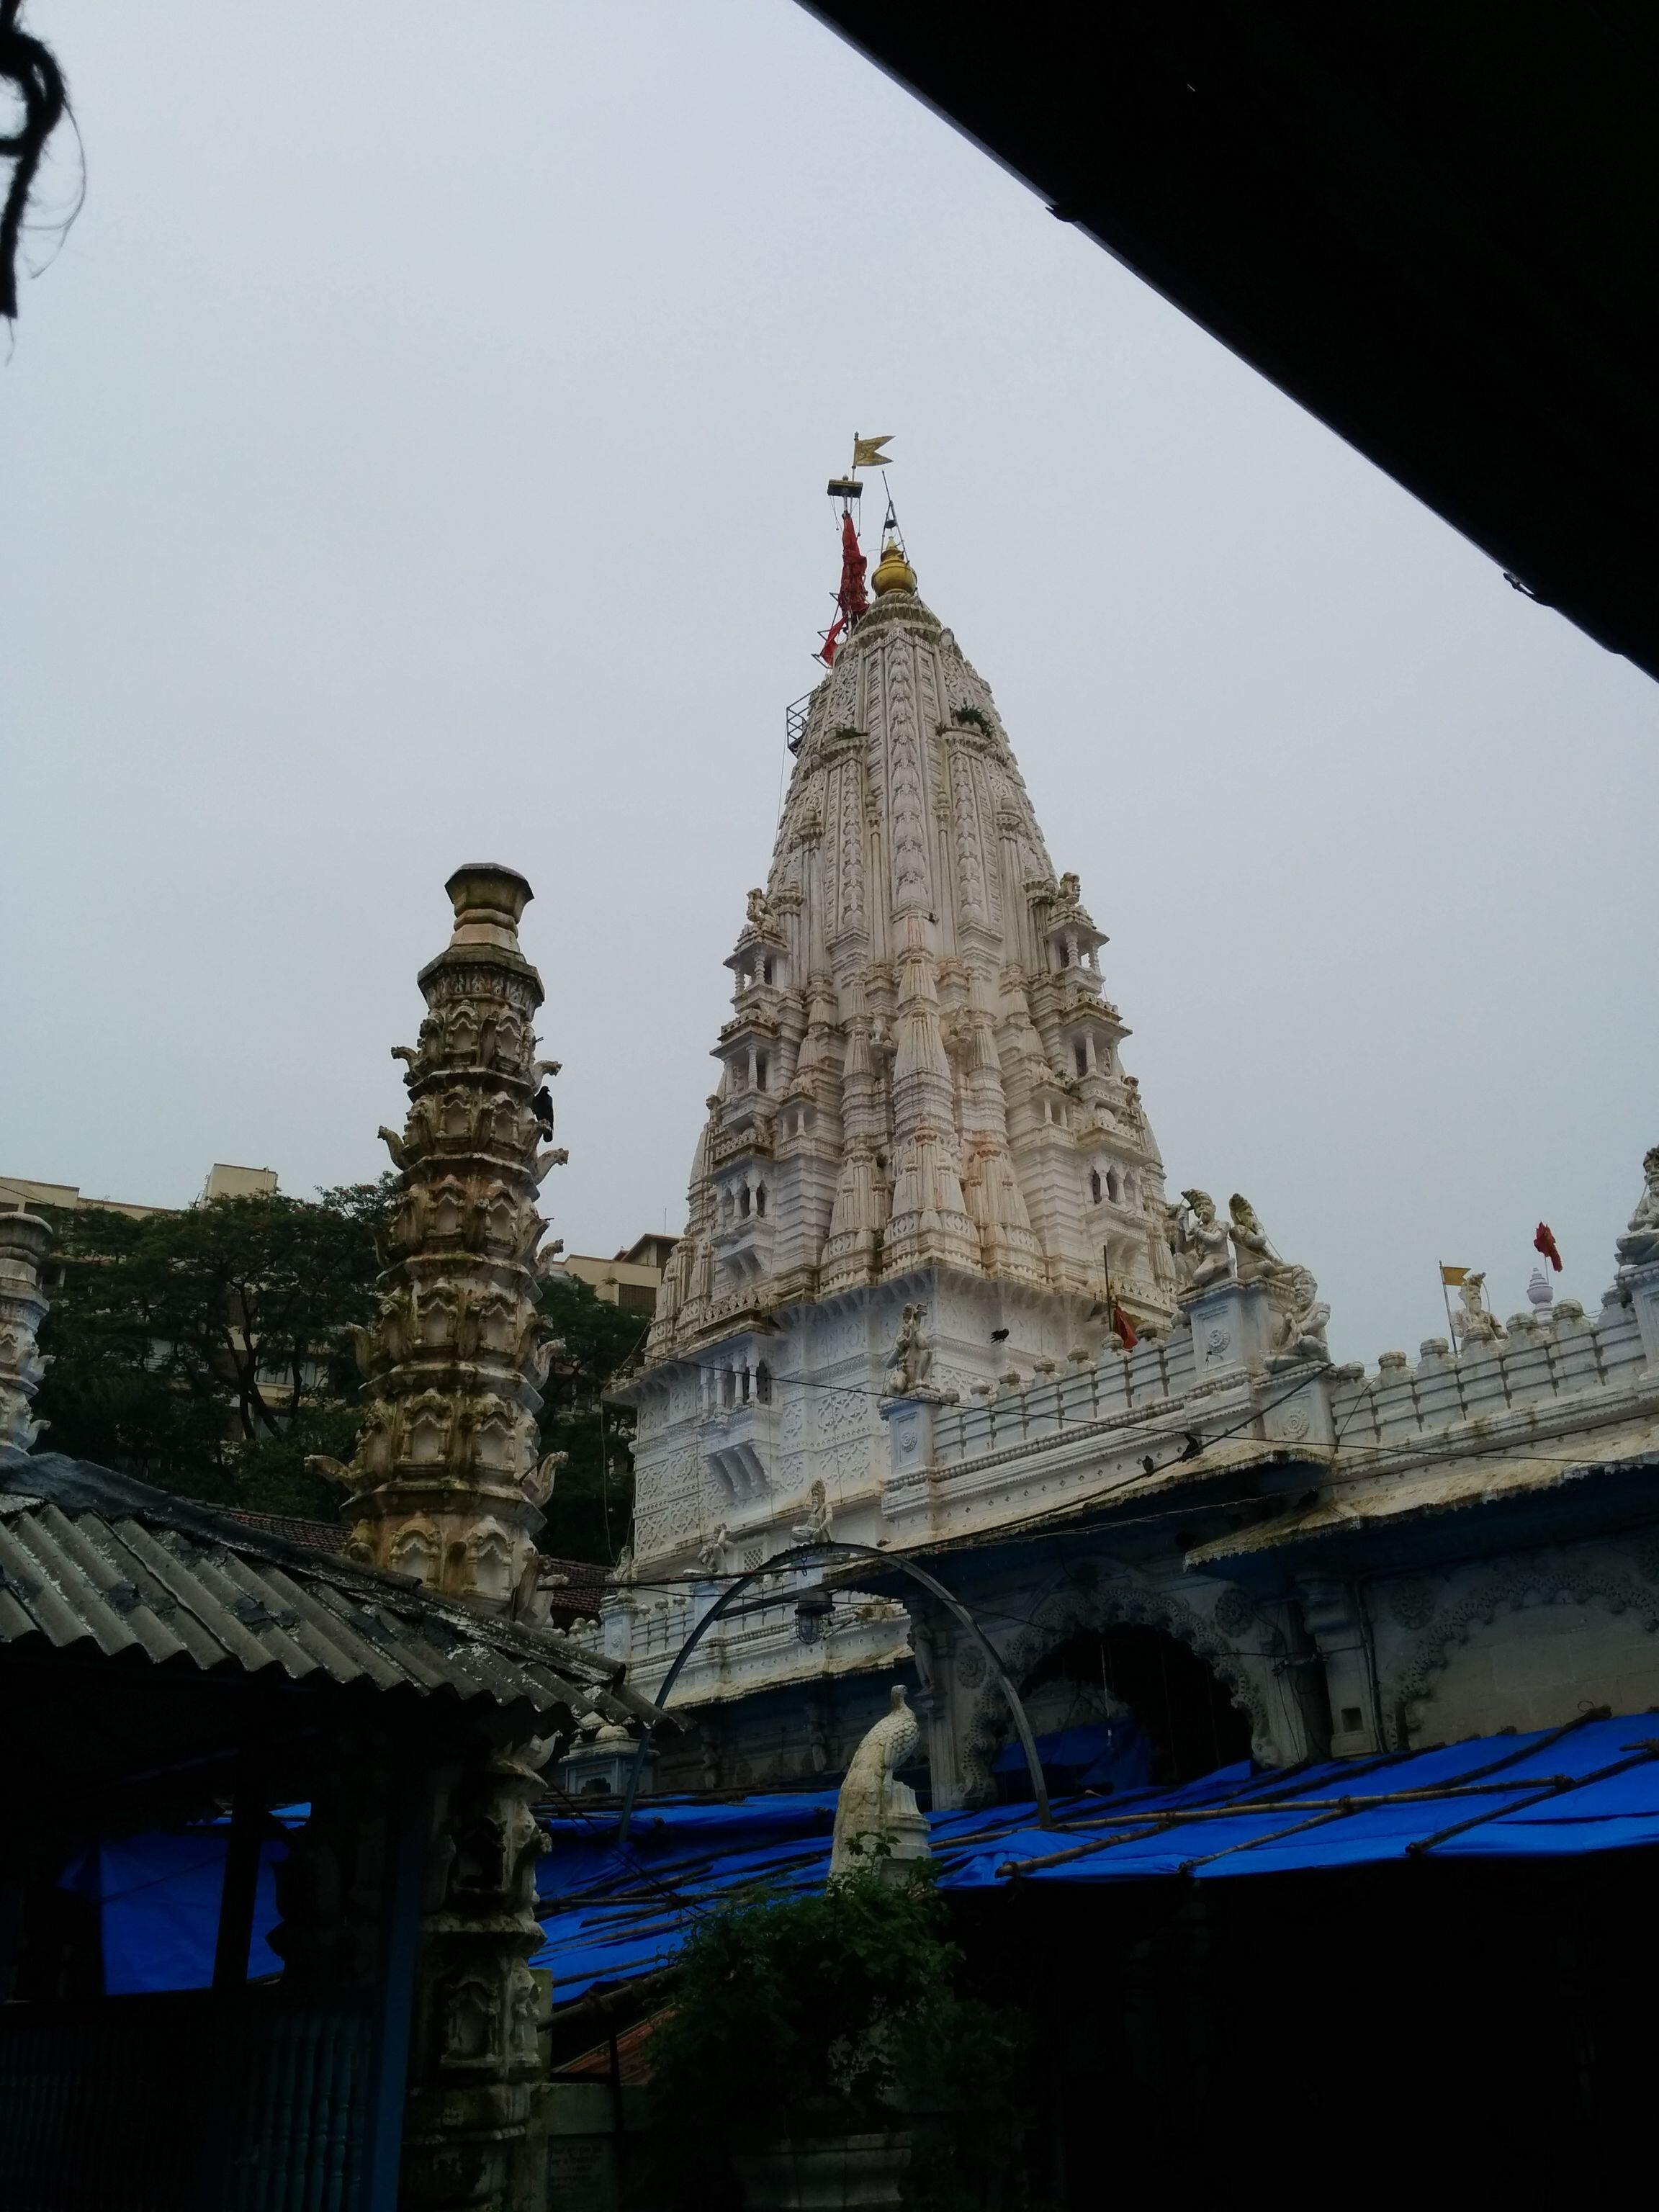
1453,1275
867,454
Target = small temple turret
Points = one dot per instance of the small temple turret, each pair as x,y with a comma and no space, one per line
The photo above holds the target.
448,1479
24,1241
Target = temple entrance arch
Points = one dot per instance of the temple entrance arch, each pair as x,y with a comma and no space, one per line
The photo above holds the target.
1133,1677
1216,1676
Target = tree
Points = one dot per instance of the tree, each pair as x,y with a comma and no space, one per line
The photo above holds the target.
208,1351
592,1499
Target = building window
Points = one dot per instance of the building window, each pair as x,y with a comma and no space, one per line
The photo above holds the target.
760,1198
766,971
636,1297
1094,1185
1112,1187
762,1384
744,1201
760,1070
745,1382
728,1387
1081,1050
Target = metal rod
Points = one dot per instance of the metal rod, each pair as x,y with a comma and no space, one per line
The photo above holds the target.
797,1555
240,1891
1469,1784
1558,1789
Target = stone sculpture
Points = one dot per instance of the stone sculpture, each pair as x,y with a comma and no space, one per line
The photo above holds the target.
1473,1322
1200,1240
1640,1246
1300,1323
711,1554
448,1479
878,1820
1254,1259
24,1239
817,1526
911,1359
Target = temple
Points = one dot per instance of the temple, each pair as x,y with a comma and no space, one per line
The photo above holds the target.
933,1300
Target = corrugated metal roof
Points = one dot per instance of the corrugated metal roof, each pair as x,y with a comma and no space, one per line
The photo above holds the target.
92,1559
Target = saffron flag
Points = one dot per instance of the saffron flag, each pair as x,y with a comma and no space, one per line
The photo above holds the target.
1453,1276
1123,1329
850,601
1544,1241
866,452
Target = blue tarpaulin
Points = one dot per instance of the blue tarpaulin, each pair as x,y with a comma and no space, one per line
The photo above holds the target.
158,1904
608,1914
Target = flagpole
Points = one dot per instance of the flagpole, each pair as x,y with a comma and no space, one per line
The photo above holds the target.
1445,1300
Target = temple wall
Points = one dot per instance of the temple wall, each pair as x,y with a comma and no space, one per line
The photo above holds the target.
1525,1641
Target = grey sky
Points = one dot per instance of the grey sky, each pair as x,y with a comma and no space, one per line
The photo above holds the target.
417,454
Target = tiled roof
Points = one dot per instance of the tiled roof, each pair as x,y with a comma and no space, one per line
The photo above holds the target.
310,1535
92,1559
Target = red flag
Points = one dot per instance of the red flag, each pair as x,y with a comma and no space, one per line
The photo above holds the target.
850,600
1123,1329
1544,1242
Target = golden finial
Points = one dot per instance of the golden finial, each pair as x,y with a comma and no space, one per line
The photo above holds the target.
895,573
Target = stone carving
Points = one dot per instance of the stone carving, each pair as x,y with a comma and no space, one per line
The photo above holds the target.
1300,1320
1640,1246
711,1553
1575,1581
474,2055
24,1240
1254,1257
1472,1320
911,1359
1198,1242
1234,1614
1411,1601
878,1820
448,1479
818,1526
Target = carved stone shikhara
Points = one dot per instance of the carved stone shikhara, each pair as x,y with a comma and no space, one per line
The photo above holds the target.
24,1240
448,1479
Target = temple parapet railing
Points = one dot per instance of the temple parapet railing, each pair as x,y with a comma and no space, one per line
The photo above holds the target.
1561,1362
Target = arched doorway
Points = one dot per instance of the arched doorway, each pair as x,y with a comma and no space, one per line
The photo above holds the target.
1097,1675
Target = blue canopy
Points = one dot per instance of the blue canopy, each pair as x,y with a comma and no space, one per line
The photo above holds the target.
609,1915
1593,1786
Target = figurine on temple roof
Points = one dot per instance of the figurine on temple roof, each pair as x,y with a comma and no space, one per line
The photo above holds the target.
1200,1238
1256,1260
1473,1320
1640,1246
911,1359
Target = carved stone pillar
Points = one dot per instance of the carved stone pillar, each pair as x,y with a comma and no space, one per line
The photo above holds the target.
934,1637
475,2057
24,1238
448,1481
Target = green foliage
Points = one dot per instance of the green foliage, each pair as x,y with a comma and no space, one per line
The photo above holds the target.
589,1513
838,2013
207,1351
973,716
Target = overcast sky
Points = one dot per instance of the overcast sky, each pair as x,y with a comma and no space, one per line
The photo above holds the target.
417,454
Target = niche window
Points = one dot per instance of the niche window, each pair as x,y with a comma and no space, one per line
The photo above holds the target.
760,1070
766,971
762,1384
1094,1185
744,1201
760,1199
728,1387
1081,1052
